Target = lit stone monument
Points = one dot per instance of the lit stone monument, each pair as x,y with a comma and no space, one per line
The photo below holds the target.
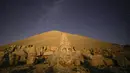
65,57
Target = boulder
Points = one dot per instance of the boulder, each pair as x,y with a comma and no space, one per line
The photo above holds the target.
97,60
1,57
108,62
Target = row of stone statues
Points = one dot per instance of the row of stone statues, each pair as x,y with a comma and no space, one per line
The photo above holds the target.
29,53
58,57
107,57
22,53
62,58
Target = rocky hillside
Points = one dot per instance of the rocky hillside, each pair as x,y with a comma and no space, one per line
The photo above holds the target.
61,52
52,38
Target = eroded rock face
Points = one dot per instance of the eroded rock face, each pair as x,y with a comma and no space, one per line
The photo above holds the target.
9,54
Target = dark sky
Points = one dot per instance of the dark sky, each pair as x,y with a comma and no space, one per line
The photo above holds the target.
107,20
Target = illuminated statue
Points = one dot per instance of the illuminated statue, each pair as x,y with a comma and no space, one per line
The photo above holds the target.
65,58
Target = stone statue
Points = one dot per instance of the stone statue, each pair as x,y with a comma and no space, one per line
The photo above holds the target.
65,58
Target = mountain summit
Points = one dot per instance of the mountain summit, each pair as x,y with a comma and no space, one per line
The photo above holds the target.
52,38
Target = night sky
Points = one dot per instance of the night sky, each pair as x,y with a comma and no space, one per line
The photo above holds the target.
106,20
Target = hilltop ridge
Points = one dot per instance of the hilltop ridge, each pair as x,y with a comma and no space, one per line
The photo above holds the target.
52,38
